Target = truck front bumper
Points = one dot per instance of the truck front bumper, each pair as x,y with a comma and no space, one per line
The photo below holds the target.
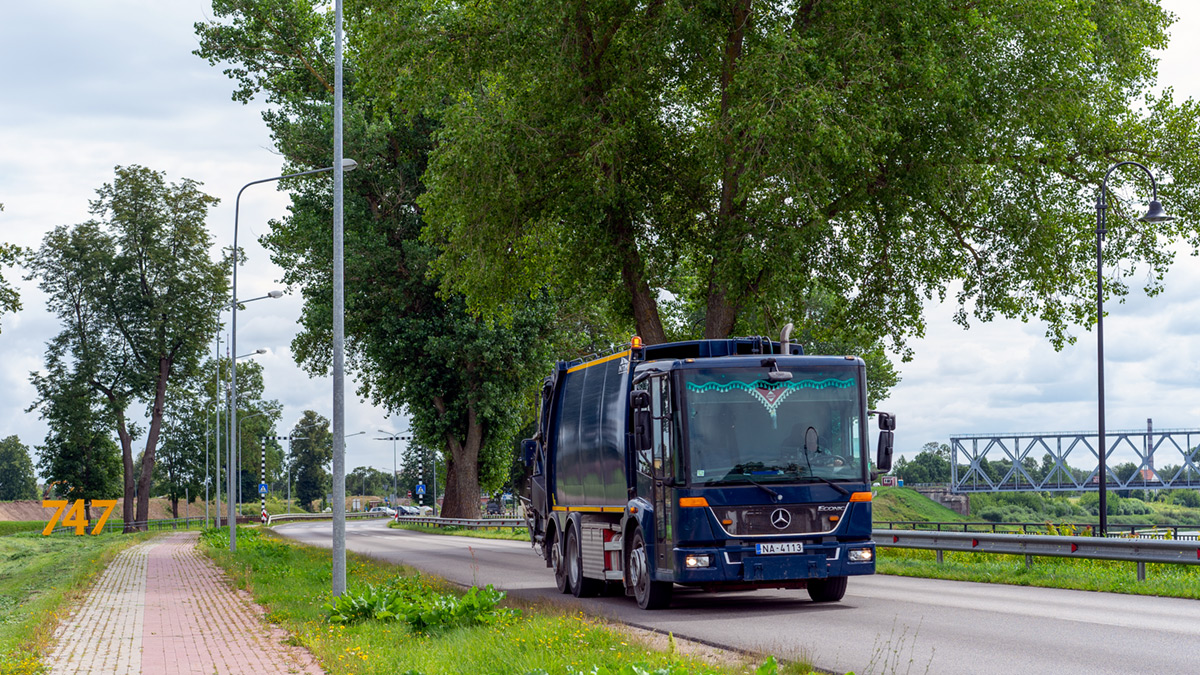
746,565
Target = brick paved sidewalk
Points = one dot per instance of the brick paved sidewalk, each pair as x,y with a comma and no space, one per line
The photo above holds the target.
162,607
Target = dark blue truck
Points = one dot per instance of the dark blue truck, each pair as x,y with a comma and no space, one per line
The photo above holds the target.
721,464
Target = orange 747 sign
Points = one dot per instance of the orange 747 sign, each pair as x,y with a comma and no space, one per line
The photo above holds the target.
75,517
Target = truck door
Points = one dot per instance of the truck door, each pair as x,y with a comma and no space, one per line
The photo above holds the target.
663,472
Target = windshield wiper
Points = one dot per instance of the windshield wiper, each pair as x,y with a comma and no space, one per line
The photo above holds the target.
835,486
746,475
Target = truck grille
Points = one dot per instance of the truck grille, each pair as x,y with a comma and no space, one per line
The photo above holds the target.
779,519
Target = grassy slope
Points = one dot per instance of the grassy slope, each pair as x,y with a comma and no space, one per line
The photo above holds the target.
39,577
906,504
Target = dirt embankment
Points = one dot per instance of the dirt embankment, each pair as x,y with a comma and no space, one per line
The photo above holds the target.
29,509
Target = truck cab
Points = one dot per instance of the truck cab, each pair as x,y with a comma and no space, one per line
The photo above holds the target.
742,464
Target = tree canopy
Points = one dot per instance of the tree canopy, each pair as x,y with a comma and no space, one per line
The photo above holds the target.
138,298
464,381
744,155
16,471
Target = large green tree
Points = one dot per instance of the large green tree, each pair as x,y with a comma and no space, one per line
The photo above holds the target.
311,451
78,458
16,471
745,154
138,296
463,380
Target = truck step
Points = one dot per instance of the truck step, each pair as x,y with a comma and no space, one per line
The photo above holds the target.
614,575
614,545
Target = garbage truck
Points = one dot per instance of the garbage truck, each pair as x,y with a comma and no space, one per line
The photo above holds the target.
724,465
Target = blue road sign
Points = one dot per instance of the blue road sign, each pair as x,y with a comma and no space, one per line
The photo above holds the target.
420,488
262,489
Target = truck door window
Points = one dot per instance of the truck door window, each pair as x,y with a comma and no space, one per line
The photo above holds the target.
643,461
660,412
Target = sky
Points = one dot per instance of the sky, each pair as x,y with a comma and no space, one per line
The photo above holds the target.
93,85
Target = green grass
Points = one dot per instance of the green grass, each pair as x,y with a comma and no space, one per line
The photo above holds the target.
517,534
14,526
293,582
906,504
39,578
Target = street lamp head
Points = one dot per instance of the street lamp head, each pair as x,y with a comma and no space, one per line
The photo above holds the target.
275,294
260,350
348,164
1156,214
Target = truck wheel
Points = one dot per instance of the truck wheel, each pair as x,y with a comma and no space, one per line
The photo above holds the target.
650,594
580,587
827,590
560,569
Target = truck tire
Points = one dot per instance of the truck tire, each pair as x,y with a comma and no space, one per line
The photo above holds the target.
650,594
581,587
827,590
560,568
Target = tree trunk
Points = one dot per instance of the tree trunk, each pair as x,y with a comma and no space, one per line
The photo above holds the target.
462,471
175,506
720,315
722,307
156,418
126,460
633,277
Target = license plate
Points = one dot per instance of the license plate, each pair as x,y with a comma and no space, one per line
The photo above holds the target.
786,547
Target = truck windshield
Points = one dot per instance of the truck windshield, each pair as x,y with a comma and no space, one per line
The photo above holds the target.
741,428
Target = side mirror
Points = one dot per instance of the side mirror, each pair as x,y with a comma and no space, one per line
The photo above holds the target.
883,461
639,399
887,421
528,450
641,428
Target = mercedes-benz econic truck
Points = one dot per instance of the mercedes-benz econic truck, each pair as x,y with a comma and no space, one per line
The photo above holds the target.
728,464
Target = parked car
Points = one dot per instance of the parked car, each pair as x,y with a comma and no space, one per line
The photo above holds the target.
495,509
383,509
410,510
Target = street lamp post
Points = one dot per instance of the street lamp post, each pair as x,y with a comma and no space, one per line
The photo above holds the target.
334,487
238,442
216,393
1154,214
345,165
395,467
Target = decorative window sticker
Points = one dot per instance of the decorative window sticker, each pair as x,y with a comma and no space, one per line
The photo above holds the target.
770,394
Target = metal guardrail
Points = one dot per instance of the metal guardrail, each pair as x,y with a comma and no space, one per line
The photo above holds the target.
1181,532
1131,550
278,517
1140,551
416,520
471,523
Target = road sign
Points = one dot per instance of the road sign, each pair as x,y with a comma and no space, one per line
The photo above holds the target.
420,488
262,489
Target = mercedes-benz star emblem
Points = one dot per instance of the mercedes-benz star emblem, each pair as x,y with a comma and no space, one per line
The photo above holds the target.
781,519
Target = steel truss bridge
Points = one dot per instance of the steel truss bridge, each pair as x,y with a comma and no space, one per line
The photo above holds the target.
1071,453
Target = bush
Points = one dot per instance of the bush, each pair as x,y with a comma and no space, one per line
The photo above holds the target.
1189,498
407,599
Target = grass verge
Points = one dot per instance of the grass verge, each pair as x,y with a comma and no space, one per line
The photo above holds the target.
13,526
485,533
40,577
1175,581
293,581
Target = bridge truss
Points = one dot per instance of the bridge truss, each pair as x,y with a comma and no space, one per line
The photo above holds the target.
1057,461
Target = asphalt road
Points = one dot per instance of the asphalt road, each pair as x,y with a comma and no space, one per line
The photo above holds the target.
883,625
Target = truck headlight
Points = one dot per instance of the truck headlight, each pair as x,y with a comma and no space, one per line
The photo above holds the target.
697,561
862,555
